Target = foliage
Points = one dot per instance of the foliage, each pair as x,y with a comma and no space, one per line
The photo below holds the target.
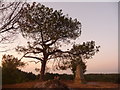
11,73
53,25
89,77
78,55
17,76
47,30
11,77
103,77
87,49
10,62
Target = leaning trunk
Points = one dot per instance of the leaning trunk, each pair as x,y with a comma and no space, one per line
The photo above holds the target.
42,72
79,77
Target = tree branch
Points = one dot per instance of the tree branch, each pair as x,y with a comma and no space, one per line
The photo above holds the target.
7,6
35,62
11,20
52,42
33,57
6,29
38,49
55,51
60,51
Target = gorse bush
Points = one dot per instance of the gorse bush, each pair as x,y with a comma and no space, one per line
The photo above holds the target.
16,76
10,72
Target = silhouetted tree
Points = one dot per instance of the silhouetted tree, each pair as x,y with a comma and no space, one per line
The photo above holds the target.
9,14
10,71
77,54
47,29
10,62
84,51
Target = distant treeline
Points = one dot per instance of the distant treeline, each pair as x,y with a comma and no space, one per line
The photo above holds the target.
115,78
19,76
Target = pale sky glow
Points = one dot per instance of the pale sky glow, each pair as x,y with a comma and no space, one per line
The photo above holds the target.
99,23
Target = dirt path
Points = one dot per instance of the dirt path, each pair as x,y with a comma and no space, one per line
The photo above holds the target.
69,83
93,85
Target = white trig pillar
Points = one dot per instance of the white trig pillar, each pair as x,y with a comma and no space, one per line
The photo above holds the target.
79,76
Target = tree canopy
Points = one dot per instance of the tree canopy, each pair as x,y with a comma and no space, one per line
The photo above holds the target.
11,70
86,49
10,62
46,29
46,24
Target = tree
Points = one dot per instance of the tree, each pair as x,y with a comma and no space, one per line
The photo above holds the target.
10,71
78,53
10,62
86,50
9,14
46,29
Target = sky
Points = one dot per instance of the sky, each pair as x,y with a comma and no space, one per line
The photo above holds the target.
99,23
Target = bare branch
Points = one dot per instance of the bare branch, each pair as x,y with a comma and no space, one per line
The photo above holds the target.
55,51
6,6
12,18
33,57
23,56
35,61
52,42
59,51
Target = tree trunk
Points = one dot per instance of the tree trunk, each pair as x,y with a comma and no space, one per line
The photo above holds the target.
42,72
79,77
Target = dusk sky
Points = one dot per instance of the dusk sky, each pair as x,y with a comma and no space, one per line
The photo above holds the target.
99,23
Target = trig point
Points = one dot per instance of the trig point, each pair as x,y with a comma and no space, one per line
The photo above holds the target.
79,77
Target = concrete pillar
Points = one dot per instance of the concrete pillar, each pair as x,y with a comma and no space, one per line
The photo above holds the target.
79,76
